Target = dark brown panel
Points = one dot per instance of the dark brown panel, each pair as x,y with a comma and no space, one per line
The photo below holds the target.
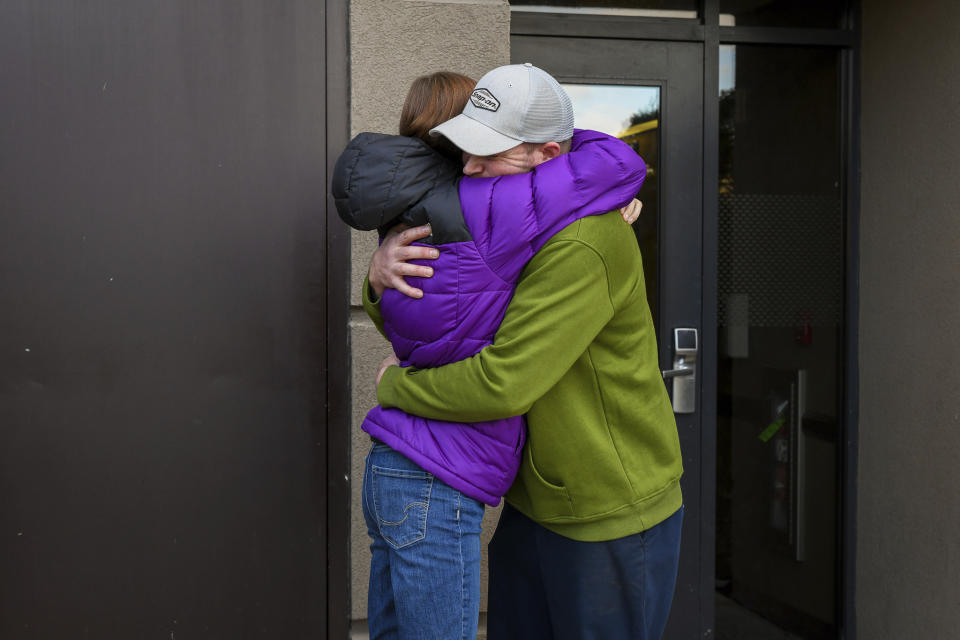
162,314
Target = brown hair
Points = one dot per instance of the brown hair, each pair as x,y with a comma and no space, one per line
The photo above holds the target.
434,99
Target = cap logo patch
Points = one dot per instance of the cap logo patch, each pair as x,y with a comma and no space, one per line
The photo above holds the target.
483,99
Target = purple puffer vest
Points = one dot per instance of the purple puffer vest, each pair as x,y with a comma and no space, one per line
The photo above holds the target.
507,220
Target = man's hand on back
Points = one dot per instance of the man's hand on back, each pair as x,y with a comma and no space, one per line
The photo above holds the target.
390,261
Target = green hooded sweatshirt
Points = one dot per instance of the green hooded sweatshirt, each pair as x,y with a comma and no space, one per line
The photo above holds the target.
576,352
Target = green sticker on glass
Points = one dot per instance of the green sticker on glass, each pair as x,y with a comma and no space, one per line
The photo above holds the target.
772,429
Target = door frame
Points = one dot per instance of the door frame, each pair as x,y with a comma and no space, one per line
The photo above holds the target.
331,406
707,30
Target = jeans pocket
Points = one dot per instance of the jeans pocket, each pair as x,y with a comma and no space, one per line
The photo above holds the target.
401,500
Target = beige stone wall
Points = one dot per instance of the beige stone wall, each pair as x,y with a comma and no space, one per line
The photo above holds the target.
908,560
391,43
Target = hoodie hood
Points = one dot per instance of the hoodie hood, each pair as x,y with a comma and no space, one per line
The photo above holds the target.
381,180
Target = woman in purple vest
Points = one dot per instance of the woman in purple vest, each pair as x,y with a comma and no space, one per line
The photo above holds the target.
426,481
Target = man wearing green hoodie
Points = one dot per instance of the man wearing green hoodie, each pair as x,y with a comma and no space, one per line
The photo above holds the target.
588,543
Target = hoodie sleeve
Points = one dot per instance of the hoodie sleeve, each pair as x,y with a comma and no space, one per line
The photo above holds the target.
523,211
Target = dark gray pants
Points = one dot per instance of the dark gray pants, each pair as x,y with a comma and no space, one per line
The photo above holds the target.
545,586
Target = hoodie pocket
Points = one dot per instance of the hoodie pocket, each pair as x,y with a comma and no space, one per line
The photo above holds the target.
548,501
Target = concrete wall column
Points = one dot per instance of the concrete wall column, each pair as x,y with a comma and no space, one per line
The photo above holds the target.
391,43
908,564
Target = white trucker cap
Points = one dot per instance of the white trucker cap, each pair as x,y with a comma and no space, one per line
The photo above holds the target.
511,104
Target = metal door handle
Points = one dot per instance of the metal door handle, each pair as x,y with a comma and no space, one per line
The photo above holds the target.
683,376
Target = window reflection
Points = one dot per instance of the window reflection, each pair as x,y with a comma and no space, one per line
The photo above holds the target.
631,113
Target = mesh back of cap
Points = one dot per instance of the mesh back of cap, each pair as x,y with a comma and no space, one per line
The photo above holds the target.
549,116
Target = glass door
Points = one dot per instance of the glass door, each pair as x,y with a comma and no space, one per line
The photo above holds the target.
650,94
780,353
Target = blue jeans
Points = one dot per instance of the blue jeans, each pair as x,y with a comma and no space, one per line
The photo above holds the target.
544,586
425,565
